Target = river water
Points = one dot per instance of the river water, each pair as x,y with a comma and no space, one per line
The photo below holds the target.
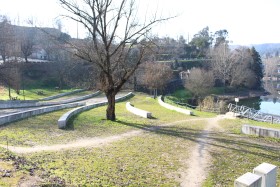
268,104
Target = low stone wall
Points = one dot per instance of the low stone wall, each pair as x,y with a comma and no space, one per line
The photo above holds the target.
36,103
260,131
264,175
170,107
26,114
137,111
62,95
62,121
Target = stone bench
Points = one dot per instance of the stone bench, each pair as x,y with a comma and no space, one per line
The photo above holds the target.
62,121
170,107
260,131
61,95
37,103
138,111
264,175
26,114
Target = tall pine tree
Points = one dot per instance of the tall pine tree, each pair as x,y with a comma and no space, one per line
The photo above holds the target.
257,67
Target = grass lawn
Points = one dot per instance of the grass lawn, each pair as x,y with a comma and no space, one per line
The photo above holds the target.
234,154
153,158
30,94
43,129
196,112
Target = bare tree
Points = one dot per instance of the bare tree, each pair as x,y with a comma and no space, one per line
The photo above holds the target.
221,63
155,76
27,43
199,82
7,38
241,74
113,41
270,66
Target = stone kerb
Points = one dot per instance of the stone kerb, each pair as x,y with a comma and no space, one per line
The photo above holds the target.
37,103
260,131
62,95
170,107
62,121
25,114
138,111
264,175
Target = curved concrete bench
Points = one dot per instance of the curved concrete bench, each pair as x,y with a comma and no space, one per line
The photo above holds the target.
137,111
37,103
62,121
25,114
260,131
170,107
61,95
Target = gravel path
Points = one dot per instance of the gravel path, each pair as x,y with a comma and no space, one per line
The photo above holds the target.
200,158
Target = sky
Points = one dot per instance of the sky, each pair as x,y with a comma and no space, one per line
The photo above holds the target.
247,21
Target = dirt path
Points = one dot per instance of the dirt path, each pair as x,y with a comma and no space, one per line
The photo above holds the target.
90,142
199,159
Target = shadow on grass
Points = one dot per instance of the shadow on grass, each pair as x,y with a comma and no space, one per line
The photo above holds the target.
212,138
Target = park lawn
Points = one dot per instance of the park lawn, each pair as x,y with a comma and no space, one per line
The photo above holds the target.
234,154
31,94
153,158
235,125
43,129
195,112
75,95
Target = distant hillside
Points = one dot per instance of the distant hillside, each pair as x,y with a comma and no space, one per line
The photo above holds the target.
268,48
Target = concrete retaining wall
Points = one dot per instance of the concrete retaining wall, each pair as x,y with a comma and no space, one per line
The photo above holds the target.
137,111
62,95
170,107
62,121
25,114
36,103
260,131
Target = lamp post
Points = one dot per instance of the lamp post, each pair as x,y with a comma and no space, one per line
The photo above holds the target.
236,101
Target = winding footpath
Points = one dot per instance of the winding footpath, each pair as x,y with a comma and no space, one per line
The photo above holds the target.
198,161
200,158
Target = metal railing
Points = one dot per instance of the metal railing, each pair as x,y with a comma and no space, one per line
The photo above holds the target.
253,114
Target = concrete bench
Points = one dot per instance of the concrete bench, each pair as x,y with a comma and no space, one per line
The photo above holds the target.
260,131
170,107
26,114
248,180
264,175
138,111
62,121
62,95
37,103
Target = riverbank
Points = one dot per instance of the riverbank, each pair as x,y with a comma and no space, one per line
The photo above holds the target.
241,95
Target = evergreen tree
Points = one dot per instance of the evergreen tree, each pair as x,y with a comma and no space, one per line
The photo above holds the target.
257,67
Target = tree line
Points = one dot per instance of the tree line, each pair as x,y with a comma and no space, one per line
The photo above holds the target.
113,55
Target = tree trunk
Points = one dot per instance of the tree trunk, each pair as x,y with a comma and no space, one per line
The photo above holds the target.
110,112
10,93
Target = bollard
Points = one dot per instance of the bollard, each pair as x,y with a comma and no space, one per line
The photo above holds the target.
268,172
248,180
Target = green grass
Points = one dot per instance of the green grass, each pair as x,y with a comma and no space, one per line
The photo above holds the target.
196,112
148,160
156,157
235,155
153,158
43,129
31,94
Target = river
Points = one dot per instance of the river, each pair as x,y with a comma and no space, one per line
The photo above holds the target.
268,104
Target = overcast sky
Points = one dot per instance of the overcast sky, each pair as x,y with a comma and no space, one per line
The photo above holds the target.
247,21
